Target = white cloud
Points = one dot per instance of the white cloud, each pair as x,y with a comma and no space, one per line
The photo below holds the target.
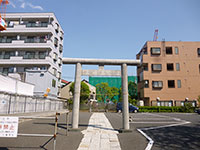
12,4
34,7
22,5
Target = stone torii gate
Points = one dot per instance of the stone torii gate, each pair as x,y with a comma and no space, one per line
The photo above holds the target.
100,72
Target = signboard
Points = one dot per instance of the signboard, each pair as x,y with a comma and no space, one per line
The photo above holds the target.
8,126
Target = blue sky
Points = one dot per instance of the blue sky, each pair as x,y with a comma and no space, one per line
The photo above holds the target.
116,28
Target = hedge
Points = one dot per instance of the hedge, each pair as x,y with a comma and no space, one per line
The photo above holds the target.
166,109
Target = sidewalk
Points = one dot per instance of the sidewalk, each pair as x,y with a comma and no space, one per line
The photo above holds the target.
99,135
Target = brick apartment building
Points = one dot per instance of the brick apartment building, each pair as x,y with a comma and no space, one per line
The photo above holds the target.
169,74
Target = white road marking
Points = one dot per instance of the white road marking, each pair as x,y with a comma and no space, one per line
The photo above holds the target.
99,135
165,126
150,143
151,119
154,122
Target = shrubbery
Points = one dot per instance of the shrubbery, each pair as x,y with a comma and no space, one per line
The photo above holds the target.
187,108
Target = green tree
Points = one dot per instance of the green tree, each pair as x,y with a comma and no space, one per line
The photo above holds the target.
132,90
103,91
85,92
114,93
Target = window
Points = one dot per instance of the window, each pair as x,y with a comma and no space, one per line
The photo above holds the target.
60,48
5,71
8,70
157,84
155,51
42,55
59,61
29,39
54,71
158,103
179,83
44,24
171,84
1,55
170,104
29,55
145,67
61,36
156,67
55,56
43,68
177,67
176,50
168,50
53,83
198,51
7,55
57,27
145,50
59,75
55,41
170,67
146,83
199,68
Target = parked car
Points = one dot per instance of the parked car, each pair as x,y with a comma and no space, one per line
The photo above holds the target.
132,108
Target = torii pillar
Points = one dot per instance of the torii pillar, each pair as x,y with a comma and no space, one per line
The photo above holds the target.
101,62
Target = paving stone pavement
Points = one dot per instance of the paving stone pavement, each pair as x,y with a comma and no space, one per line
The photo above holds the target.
99,135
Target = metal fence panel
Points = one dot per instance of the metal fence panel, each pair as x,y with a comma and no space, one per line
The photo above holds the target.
4,103
11,103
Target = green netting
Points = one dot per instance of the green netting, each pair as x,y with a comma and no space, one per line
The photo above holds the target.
112,81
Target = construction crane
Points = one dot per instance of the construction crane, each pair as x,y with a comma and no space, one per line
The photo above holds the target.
155,37
3,24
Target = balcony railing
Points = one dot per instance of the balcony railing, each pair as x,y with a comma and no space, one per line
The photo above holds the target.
29,25
60,48
5,40
35,41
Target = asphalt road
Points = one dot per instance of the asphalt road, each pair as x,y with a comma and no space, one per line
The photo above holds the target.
166,137
63,142
181,136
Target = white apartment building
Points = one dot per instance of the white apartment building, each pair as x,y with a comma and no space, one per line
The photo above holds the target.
31,50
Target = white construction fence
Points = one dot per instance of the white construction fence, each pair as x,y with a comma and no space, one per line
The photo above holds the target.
12,85
14,103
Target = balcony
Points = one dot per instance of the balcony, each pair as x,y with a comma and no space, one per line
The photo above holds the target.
59,61
19,60
37,25
22,28
55,56
60,48
5,40
59,75
28,43
35,40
